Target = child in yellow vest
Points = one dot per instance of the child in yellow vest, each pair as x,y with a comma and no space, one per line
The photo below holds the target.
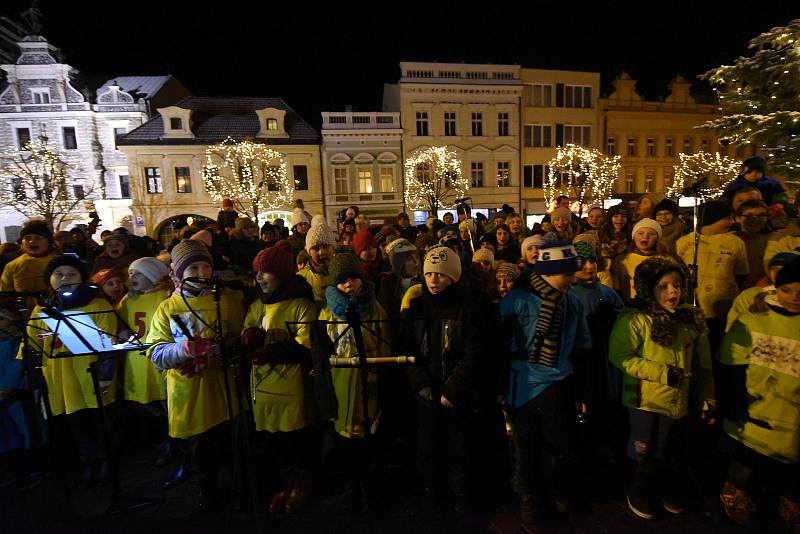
280,380
25,272
183,342
70,389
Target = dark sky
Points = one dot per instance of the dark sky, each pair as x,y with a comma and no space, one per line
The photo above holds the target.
321,59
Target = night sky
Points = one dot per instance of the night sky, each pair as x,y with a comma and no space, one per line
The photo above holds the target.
321,59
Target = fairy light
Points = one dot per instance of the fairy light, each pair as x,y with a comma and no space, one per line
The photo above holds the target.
720,170
251,174
590,175
42,182
434,179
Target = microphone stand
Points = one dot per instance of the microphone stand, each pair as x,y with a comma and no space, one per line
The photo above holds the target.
694,190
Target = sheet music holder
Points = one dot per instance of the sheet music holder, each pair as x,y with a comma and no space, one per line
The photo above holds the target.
80,334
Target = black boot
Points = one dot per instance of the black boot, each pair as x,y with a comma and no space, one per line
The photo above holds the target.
181,475
639,491
166,452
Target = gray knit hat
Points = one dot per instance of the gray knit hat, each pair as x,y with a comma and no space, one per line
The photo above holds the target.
152,269
345,265
186,252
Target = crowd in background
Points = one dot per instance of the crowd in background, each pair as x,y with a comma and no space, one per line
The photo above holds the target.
579,330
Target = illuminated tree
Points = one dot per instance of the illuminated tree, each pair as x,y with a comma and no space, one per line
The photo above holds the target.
251,174
39,182
434,179
707,174
583,174
759,97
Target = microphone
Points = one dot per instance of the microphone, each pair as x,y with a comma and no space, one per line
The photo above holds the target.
214,282
460,200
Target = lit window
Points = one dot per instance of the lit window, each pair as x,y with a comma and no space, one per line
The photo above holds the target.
183,180
648,183
364,181
153,179
272,125
387,179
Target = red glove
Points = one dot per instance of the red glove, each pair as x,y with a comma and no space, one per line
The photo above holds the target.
253,338
776,210
198,348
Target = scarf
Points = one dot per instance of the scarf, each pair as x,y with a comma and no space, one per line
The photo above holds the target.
666,323
338,302
547,336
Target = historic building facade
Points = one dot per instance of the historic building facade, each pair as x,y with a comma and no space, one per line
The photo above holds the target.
39,99
166,155
362,158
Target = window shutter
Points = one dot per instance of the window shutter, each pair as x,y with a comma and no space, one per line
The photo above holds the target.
559,135
559,95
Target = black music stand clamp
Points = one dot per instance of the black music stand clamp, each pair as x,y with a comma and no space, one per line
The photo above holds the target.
77,328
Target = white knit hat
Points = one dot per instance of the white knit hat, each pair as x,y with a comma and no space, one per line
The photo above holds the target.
298,216
152,269
535,240
647,223
444,260
483,254
319,233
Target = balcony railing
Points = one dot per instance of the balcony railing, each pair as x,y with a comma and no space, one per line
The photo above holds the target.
350,120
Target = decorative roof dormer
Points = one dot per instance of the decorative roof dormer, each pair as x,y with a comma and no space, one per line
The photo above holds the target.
114,95
177,122
679,92
625,89
271,123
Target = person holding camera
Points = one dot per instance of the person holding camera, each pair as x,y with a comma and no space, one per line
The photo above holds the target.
283,406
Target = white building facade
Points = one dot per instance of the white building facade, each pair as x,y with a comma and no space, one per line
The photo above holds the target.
39,98
362,155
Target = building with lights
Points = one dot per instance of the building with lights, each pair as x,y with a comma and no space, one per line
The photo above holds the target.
558,108
40,96
473,109
649,135
167,153
362,161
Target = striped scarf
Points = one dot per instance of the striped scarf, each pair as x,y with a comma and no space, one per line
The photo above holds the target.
547,337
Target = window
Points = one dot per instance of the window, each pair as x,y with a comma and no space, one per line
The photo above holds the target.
273,183
687,145
648,183
477,124
19,189
503,174
124,186
704,144
23,137
340,180
152,177
632,146
611,146
364,180
175,123
538,135
117,133
183,179
630,182
387,179
540,173
651,146
503,124
577,96
477,173
78,192
40,96
422,123
668,178
668,150
450,123
541,95
578,135
272,125
70,139
300,173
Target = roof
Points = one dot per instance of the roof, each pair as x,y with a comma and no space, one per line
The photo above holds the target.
216,118
137,86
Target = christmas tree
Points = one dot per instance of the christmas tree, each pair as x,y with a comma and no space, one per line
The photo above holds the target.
759,96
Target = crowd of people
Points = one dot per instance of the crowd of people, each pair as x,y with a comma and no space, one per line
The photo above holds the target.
478,332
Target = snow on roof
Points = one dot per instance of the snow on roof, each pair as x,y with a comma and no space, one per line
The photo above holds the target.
137,86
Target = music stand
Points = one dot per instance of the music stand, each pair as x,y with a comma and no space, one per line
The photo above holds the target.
81,336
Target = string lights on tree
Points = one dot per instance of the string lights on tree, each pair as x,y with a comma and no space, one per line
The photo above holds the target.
38,181
707,174
759,97
581,173
434,179
251,174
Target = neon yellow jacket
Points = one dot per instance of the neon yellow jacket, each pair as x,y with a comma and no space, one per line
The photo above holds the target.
283,396
69,385
645,364
199,402
768,344
142,382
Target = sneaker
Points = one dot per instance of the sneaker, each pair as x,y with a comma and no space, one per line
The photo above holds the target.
639,500
738,506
